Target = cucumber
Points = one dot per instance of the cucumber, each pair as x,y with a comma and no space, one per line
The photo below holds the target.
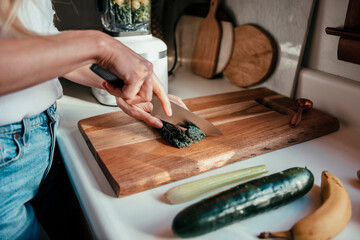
242,201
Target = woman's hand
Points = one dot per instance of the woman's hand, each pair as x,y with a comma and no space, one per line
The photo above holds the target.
142,110
134,70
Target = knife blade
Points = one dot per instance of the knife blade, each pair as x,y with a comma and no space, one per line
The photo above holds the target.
180,114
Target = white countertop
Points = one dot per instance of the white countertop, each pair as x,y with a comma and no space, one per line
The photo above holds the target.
146,216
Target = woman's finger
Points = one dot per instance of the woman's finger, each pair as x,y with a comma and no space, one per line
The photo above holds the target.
177,100
112,89
138,81
117,92
159,90
141,112
146,90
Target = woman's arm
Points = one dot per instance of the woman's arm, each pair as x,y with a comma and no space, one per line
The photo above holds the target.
85,76
28,61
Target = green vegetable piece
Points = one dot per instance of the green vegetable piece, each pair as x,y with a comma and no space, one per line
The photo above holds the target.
192,190
193,132
179,138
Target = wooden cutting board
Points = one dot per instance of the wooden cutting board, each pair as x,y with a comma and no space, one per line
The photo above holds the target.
253,58
186,32
206,50
135,158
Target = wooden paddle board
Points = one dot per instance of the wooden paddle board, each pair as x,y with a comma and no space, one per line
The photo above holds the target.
206,50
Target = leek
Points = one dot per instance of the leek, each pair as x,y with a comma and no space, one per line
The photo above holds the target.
192,190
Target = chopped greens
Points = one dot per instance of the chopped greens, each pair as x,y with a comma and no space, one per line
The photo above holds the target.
130,12
121,12
180,138
140,15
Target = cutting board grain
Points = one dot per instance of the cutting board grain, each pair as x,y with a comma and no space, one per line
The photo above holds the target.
135,158
206,50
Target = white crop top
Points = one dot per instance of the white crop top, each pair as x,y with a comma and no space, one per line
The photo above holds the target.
36,15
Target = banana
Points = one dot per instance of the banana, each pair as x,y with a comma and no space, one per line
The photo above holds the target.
328,220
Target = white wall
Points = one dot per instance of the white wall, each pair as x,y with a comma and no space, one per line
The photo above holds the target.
321,50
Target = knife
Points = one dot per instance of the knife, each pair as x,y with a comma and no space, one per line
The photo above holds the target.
180,114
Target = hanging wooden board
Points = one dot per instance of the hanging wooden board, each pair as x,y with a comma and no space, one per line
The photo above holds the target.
206,50
135,158
253,57
186,32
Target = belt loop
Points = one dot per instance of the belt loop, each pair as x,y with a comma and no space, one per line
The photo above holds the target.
51,112
26,131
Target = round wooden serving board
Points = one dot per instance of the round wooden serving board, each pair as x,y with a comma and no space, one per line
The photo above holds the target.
253,56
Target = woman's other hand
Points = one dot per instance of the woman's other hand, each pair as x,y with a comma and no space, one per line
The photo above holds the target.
142,110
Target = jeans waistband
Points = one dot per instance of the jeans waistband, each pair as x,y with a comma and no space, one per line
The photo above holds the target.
49,113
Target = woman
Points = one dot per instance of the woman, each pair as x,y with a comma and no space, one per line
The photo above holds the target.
32,55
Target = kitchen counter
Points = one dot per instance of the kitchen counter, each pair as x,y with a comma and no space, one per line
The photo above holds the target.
146,215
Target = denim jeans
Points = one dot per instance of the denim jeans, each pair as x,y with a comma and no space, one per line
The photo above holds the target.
26,153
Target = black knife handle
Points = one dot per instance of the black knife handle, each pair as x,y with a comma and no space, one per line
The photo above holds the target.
102,6
107,75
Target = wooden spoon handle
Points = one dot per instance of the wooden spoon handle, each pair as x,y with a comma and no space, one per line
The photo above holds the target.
295,120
